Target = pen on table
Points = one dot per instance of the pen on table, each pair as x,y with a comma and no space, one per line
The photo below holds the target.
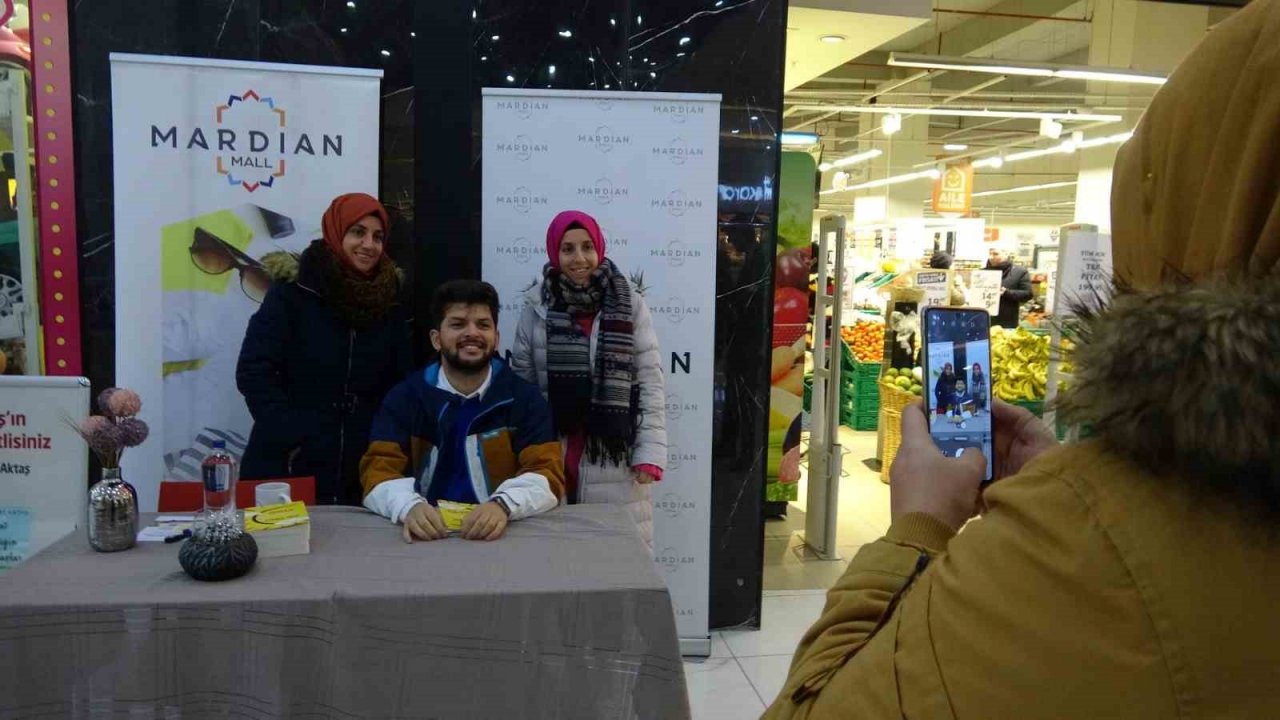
180,536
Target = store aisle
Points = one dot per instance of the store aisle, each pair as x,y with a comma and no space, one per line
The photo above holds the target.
863,517
747,668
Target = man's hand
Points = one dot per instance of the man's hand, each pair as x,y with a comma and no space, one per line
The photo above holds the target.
487,522
1019,437
923,480
423,522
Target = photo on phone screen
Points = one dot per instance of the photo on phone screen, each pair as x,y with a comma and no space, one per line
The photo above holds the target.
957,380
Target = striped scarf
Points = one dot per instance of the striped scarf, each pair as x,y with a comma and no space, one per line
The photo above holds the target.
599,399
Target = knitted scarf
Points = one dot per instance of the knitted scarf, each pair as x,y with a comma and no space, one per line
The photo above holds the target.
600,399
361,301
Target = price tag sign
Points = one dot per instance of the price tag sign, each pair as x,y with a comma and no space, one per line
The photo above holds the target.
1084,271
984,290
936,285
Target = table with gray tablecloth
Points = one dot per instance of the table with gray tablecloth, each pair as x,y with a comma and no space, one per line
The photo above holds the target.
564,617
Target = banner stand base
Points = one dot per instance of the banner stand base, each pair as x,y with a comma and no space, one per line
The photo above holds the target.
699,647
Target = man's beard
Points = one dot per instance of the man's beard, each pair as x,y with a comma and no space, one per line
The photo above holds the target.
457,363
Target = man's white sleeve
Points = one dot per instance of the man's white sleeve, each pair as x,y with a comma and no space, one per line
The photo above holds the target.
392,498
527,494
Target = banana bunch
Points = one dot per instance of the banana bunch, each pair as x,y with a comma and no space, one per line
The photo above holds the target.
1020,365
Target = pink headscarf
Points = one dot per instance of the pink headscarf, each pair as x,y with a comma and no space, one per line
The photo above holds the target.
566,221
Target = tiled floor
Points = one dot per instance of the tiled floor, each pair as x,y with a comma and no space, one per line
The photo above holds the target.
747,668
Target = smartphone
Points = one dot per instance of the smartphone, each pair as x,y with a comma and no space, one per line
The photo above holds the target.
956,359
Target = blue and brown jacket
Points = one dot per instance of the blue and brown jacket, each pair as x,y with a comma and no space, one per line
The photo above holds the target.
511,446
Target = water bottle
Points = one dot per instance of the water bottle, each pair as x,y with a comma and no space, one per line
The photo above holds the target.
219,474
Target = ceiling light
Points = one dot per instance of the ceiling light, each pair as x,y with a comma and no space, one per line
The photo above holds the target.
793,138
686,40
855,159
511,78
840,180
551,69
613,23
566,33
995,162
495,38
413,34
484,58
832,39
1025,188
891,124
931,173
1050,128
679,54
386,53
342,30
351,5
1108,140
1064,148
955,147
736,131
954,112
755,118
823,167
1018,67
653,75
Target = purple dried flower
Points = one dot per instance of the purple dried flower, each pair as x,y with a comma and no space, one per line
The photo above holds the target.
104,399
92,424
123,402
104,438
132,432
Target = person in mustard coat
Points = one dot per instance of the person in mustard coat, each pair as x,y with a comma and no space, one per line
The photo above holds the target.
1134,575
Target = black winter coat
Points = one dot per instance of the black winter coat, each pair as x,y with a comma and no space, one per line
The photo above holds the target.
313,384
1017,290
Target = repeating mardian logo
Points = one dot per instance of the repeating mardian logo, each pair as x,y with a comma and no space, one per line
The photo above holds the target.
676,203
678,112
603,191
604,139
675,310
604,105
677,407
613,240
676,253
676,458
523,109
673,505
522,199
671,560
520,250
677,151
252,140
522,147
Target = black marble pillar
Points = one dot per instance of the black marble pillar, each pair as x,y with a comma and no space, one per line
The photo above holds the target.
436,56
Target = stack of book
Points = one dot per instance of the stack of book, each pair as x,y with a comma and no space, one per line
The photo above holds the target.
280,530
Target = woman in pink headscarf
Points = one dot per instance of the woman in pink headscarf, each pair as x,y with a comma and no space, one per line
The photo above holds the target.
587,340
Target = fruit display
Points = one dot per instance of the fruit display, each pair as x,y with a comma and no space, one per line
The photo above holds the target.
1020,364
866,339
908,379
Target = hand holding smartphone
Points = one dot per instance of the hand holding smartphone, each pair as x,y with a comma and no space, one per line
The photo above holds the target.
956,357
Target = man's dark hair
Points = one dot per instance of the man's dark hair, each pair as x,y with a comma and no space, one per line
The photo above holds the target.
462,292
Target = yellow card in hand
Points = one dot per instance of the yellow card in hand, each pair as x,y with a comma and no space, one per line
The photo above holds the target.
454,513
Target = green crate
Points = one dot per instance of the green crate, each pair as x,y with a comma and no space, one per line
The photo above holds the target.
866,420
867,404
808,392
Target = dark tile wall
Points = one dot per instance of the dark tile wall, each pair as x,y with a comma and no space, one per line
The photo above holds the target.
441,52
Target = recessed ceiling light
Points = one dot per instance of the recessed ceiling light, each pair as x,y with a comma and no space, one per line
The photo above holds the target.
832,39
955,147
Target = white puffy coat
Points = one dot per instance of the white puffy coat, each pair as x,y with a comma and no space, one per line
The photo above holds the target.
608,483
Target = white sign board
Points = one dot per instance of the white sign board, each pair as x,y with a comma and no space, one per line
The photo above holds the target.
984,290
645,165
1084,271
44,464
243,157
936,285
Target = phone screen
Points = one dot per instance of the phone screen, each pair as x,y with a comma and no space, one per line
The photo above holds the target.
957,380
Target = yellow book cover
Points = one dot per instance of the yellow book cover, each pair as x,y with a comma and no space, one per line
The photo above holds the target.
453,513
275,517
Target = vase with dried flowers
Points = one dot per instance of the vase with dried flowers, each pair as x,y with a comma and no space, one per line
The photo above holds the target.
113,503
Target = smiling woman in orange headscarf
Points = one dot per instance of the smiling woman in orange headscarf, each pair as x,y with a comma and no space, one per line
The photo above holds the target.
328,342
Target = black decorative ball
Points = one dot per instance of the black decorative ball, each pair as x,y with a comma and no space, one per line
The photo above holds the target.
214,561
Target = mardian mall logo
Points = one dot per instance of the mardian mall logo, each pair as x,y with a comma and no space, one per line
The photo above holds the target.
523,109
674,310
676,458
676,253
677,407
673,505
522,147
603,192
670,560
676,203
252,140
522,199
677,151
604,139
520,250
678,112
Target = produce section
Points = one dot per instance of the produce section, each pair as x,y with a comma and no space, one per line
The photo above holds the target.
1020,364
866,339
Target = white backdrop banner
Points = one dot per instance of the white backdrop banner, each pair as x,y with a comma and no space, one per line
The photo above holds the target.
645,165
217,163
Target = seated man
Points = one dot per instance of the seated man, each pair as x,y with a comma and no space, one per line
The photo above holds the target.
465,430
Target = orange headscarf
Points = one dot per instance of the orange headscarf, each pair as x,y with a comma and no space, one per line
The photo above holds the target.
345,211
1197,189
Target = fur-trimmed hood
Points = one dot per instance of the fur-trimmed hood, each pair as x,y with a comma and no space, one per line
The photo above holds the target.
1185,381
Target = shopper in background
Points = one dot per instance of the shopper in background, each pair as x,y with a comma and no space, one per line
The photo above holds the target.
941,260
1015,287
1134,575
586,339
328,342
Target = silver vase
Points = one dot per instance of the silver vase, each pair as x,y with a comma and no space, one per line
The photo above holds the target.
113,513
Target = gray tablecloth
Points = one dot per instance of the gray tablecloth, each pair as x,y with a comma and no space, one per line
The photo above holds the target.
565,617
